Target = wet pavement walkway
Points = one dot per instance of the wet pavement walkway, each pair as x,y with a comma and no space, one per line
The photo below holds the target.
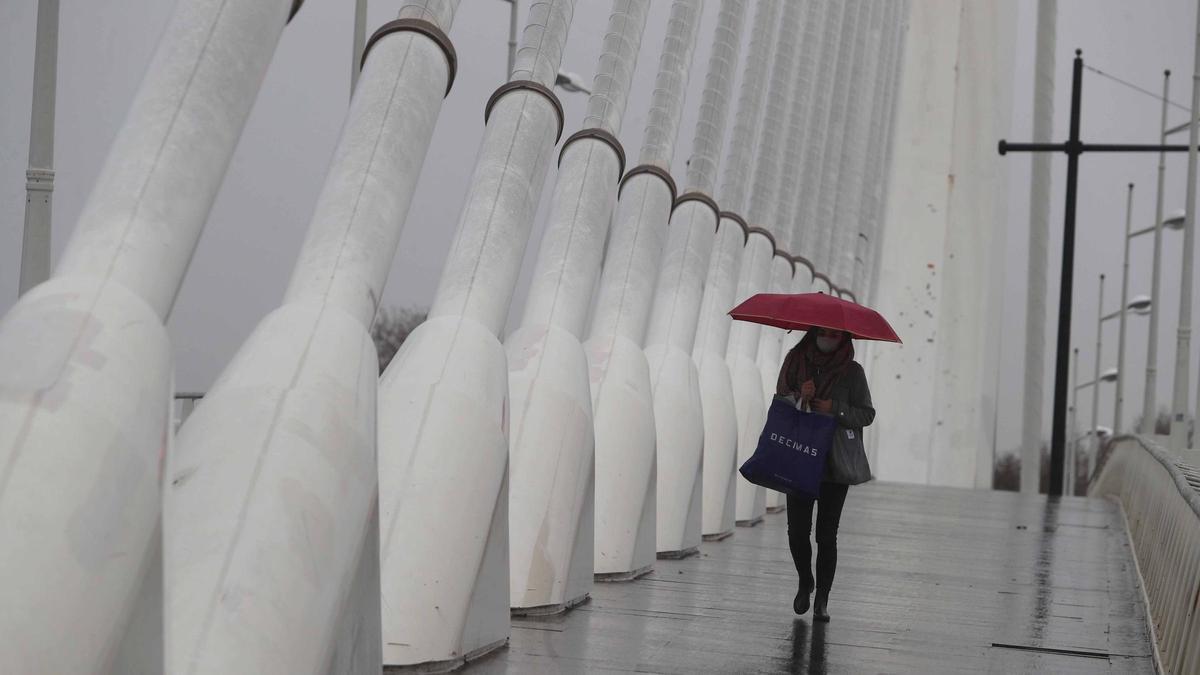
930,580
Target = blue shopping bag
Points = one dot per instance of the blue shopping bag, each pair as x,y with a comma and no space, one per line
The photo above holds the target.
791,451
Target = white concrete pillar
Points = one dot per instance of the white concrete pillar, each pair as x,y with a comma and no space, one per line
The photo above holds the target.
678,412
882,178
712,331
763,212
716,387
626,441
881,114
85,361
775,186
811,232
443,401
551,461
741,355
721,293
841,105
272,496
934,394
850,228
1040,180
813,40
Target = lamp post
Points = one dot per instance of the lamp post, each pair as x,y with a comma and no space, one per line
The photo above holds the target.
1183,341
1109,375
1149,396
360,39
1095,377
1140,305
512,37
1124,302
1073,409
1174,221
39,177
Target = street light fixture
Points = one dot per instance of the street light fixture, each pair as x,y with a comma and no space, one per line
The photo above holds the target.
1145,305
1096,430
568,81
1140,305
572,82
1175,220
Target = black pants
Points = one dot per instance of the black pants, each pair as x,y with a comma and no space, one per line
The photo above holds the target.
800,519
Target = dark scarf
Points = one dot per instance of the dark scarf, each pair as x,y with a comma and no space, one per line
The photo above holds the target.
806,362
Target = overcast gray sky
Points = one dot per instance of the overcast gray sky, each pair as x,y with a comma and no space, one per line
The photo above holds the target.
258,222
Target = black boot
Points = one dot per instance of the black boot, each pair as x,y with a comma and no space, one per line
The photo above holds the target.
800,604
821,605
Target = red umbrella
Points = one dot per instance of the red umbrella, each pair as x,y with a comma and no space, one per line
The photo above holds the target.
814,310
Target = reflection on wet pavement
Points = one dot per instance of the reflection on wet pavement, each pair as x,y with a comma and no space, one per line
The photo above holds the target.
930,580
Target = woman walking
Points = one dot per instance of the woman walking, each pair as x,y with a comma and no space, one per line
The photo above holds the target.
821,372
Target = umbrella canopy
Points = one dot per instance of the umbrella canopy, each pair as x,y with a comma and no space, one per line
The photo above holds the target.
815,310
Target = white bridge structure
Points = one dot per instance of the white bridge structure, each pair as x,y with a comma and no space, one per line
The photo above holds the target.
314,515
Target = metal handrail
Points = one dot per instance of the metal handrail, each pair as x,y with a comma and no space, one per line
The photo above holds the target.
1164,530
1185,476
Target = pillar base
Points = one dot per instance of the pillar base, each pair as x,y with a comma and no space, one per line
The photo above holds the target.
718,536
623,576
776,509
679,555
550,610
448,665
750,523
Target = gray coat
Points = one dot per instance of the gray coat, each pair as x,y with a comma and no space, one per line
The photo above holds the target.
847,462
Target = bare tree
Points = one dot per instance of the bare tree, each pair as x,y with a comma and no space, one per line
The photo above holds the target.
1006,473
1162,422
391,329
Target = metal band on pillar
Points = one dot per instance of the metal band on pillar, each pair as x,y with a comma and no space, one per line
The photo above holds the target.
698,196
652,169
425,28
602,136
530,85
765,233
801,260
790,260
740,221
822,277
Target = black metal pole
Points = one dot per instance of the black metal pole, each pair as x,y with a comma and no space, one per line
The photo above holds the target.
1005,147
1073,148
1062,359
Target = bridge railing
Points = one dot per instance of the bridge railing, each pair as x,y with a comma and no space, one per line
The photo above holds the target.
1160,496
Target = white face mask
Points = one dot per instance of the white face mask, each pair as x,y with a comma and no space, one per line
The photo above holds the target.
827,345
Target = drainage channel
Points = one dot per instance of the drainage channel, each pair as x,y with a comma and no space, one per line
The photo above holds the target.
1052,650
